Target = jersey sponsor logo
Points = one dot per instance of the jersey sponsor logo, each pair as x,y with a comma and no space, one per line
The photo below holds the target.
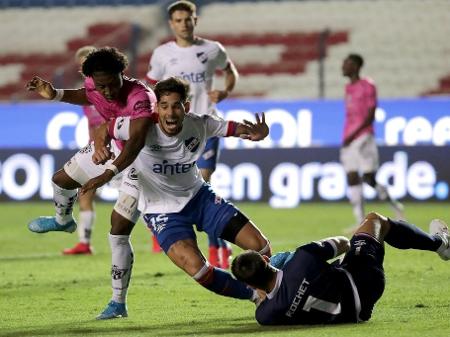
202,57
171,169
192,144
194,77
142,105
298,298
156,223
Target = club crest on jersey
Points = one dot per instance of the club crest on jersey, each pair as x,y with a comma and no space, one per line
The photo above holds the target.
202,57
192,144
120,123
132,174
155,148
217,200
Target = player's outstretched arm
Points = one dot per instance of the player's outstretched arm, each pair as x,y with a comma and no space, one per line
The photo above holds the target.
253,131
46,90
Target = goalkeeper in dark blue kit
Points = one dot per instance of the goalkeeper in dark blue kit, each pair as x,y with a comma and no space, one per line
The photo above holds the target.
303,288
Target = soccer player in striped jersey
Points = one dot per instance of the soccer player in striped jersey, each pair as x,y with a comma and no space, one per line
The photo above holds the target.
303,288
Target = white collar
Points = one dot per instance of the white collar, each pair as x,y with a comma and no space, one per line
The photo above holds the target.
277,285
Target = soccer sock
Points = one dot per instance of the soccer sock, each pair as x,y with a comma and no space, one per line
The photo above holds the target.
85,224
64,200
382,192
122,263
213,241
355,196
222,283
403,235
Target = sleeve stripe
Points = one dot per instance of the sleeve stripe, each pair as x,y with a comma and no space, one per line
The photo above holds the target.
231,128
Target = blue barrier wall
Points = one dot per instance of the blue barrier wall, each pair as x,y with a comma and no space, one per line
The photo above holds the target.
293,124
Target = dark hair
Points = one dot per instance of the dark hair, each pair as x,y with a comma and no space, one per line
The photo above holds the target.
106,59
251,268
182,6
170,85
359,61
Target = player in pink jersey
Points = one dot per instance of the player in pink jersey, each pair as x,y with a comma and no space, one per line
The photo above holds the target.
86,215
113,95
359,152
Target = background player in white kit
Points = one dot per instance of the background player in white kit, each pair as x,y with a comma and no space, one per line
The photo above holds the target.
196,60
173,195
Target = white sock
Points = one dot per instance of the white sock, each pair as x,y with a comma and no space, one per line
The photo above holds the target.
356,199
64,200
122,263
85,224
382,192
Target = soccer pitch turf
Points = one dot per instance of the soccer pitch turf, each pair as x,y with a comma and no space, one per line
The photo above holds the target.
43,293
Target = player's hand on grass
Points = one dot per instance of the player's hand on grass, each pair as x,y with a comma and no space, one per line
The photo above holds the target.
97,182
255,131
42,87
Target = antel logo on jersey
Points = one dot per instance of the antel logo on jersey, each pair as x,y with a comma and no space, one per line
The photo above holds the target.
192,144
171,169
202,57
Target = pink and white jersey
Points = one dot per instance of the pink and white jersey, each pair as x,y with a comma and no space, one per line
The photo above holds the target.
93,116
195,64
360,97
168,175
135,100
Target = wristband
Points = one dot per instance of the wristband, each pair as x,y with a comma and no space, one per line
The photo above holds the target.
113,168
59,95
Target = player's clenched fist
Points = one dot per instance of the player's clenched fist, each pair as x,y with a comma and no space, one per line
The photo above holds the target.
42,87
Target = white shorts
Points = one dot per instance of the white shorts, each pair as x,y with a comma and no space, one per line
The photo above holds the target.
361,155
81,168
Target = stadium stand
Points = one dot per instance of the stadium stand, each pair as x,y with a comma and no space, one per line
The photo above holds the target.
273,43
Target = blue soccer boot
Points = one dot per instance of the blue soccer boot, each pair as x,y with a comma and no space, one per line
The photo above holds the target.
45,224
114,310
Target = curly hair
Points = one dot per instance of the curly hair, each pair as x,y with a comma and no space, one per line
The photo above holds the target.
106,59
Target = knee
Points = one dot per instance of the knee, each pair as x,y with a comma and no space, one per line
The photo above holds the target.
378,220
120,225
353,178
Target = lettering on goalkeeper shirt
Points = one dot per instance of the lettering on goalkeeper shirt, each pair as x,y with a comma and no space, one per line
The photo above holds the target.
298,298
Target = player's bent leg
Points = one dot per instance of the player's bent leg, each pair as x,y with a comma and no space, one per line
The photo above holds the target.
64,195
187,256
250,237
400,234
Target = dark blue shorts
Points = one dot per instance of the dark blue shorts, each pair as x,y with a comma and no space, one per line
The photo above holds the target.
364,261
210,155
208,211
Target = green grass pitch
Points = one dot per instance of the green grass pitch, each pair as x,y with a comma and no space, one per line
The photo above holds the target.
43,293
